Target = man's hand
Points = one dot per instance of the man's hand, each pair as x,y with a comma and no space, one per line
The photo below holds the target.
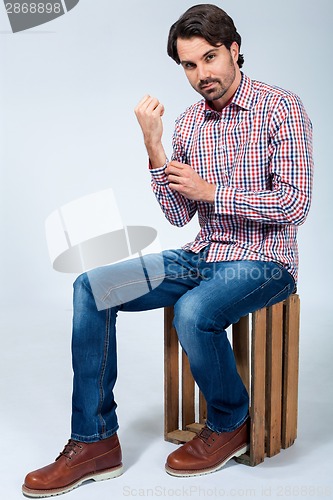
149,113
183,179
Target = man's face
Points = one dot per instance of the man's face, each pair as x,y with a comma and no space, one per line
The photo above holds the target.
212,71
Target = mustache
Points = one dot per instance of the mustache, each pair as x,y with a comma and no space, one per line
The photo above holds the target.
203,83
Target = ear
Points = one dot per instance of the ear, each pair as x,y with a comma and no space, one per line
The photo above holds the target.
234,51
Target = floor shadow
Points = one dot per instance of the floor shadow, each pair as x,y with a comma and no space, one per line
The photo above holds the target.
139,434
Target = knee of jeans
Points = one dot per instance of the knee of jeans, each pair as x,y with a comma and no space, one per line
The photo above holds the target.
188,319
81,281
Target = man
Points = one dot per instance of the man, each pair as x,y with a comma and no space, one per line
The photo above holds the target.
242,160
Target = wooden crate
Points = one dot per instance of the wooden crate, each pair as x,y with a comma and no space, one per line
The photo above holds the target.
266,349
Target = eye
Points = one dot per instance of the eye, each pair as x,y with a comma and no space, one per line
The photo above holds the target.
188,65
210,57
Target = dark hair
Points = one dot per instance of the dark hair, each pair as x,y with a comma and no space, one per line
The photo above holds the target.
206,21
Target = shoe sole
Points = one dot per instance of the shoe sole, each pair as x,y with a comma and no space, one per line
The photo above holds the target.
201,472
99,476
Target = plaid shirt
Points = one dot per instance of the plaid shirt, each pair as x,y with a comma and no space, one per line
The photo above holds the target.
258,152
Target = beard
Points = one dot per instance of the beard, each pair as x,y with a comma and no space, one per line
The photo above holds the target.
214,92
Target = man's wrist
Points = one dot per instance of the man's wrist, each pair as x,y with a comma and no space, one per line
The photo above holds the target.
157,156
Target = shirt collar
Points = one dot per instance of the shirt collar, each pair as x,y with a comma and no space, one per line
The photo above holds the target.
243,97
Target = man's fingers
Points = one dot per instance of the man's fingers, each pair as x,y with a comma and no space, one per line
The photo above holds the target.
150,104
144,99
160,109
142,103
154,106
174,179
178,165
176,168
170,170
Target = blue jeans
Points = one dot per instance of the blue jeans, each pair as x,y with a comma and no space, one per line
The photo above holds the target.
207,298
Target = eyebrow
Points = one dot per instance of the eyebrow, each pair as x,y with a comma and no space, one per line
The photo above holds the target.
203,56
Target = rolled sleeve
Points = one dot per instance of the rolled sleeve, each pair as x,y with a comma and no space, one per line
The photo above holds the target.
158,175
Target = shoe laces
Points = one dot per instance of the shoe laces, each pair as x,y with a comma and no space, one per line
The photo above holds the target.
70,449
206,435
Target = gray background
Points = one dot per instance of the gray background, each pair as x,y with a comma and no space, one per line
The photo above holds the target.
67,94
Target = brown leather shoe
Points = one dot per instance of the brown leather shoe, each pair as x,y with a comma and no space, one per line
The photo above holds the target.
208,451
77,463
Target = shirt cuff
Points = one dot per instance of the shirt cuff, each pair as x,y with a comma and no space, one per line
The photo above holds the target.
158,174
225,200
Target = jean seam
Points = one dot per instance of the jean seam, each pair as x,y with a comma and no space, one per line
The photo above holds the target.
136,282
246,296
217,362
287,287
102,372
122,285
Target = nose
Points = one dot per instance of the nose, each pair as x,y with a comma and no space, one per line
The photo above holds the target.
203,72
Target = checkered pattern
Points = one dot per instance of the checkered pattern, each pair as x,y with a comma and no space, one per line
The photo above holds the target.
258,152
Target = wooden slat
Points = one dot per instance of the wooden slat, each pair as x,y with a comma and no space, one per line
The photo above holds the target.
240,345
194,427
188,408
179,436
290,370
171,375
258,368
274,379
